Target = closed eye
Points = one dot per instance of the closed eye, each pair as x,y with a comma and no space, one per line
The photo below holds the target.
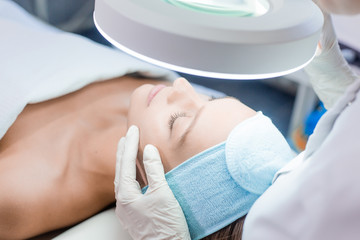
173,118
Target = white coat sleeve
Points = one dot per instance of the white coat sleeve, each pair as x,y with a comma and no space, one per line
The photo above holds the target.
319,199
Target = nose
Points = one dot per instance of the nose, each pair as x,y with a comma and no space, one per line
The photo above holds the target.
181,90
181,84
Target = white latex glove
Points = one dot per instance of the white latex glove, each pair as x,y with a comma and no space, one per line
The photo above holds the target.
155,214
329,72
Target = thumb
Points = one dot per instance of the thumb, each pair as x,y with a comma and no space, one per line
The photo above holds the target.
153,167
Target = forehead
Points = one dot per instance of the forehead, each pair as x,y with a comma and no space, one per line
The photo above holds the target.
216,121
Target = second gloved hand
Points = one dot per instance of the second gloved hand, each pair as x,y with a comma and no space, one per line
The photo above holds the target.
329,72
155,214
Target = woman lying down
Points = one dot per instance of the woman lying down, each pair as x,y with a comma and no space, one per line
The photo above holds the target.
57,158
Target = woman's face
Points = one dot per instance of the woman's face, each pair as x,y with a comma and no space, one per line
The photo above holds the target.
181,122
341,6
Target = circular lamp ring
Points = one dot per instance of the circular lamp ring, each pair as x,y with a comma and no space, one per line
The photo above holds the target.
215,44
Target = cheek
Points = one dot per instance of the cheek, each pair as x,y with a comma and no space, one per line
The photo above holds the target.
151,126
138,105
154,131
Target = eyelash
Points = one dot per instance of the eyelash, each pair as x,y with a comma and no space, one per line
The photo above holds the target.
177,115
212,98
173,118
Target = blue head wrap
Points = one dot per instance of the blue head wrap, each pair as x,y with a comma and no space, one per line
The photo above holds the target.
219,185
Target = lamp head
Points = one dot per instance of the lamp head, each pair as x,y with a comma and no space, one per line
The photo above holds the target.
229,39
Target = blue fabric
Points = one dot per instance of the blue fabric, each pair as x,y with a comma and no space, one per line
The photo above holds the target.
208,195
255,151
219,185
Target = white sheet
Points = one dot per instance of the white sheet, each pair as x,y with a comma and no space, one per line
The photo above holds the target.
104,225
38,63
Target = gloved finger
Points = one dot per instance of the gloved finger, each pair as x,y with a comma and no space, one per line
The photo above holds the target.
328,35
328,38
153,167
119,154
128,185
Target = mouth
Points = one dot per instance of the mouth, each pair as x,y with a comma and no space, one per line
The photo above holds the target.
154,91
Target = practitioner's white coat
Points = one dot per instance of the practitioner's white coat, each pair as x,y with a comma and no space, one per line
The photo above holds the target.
318,197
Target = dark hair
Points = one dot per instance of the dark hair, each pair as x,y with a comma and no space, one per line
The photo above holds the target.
230,232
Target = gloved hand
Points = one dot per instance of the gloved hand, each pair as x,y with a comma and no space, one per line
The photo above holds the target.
329,72
155,214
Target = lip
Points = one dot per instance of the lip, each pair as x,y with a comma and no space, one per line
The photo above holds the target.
155,90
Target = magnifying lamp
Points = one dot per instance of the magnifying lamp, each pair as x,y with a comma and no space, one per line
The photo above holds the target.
229,39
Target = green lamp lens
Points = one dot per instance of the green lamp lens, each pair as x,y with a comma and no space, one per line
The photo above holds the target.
239,8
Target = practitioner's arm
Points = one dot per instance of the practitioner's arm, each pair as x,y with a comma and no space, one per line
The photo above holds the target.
329,73
155,214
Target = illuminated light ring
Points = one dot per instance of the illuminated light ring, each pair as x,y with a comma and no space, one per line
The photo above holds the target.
194,71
